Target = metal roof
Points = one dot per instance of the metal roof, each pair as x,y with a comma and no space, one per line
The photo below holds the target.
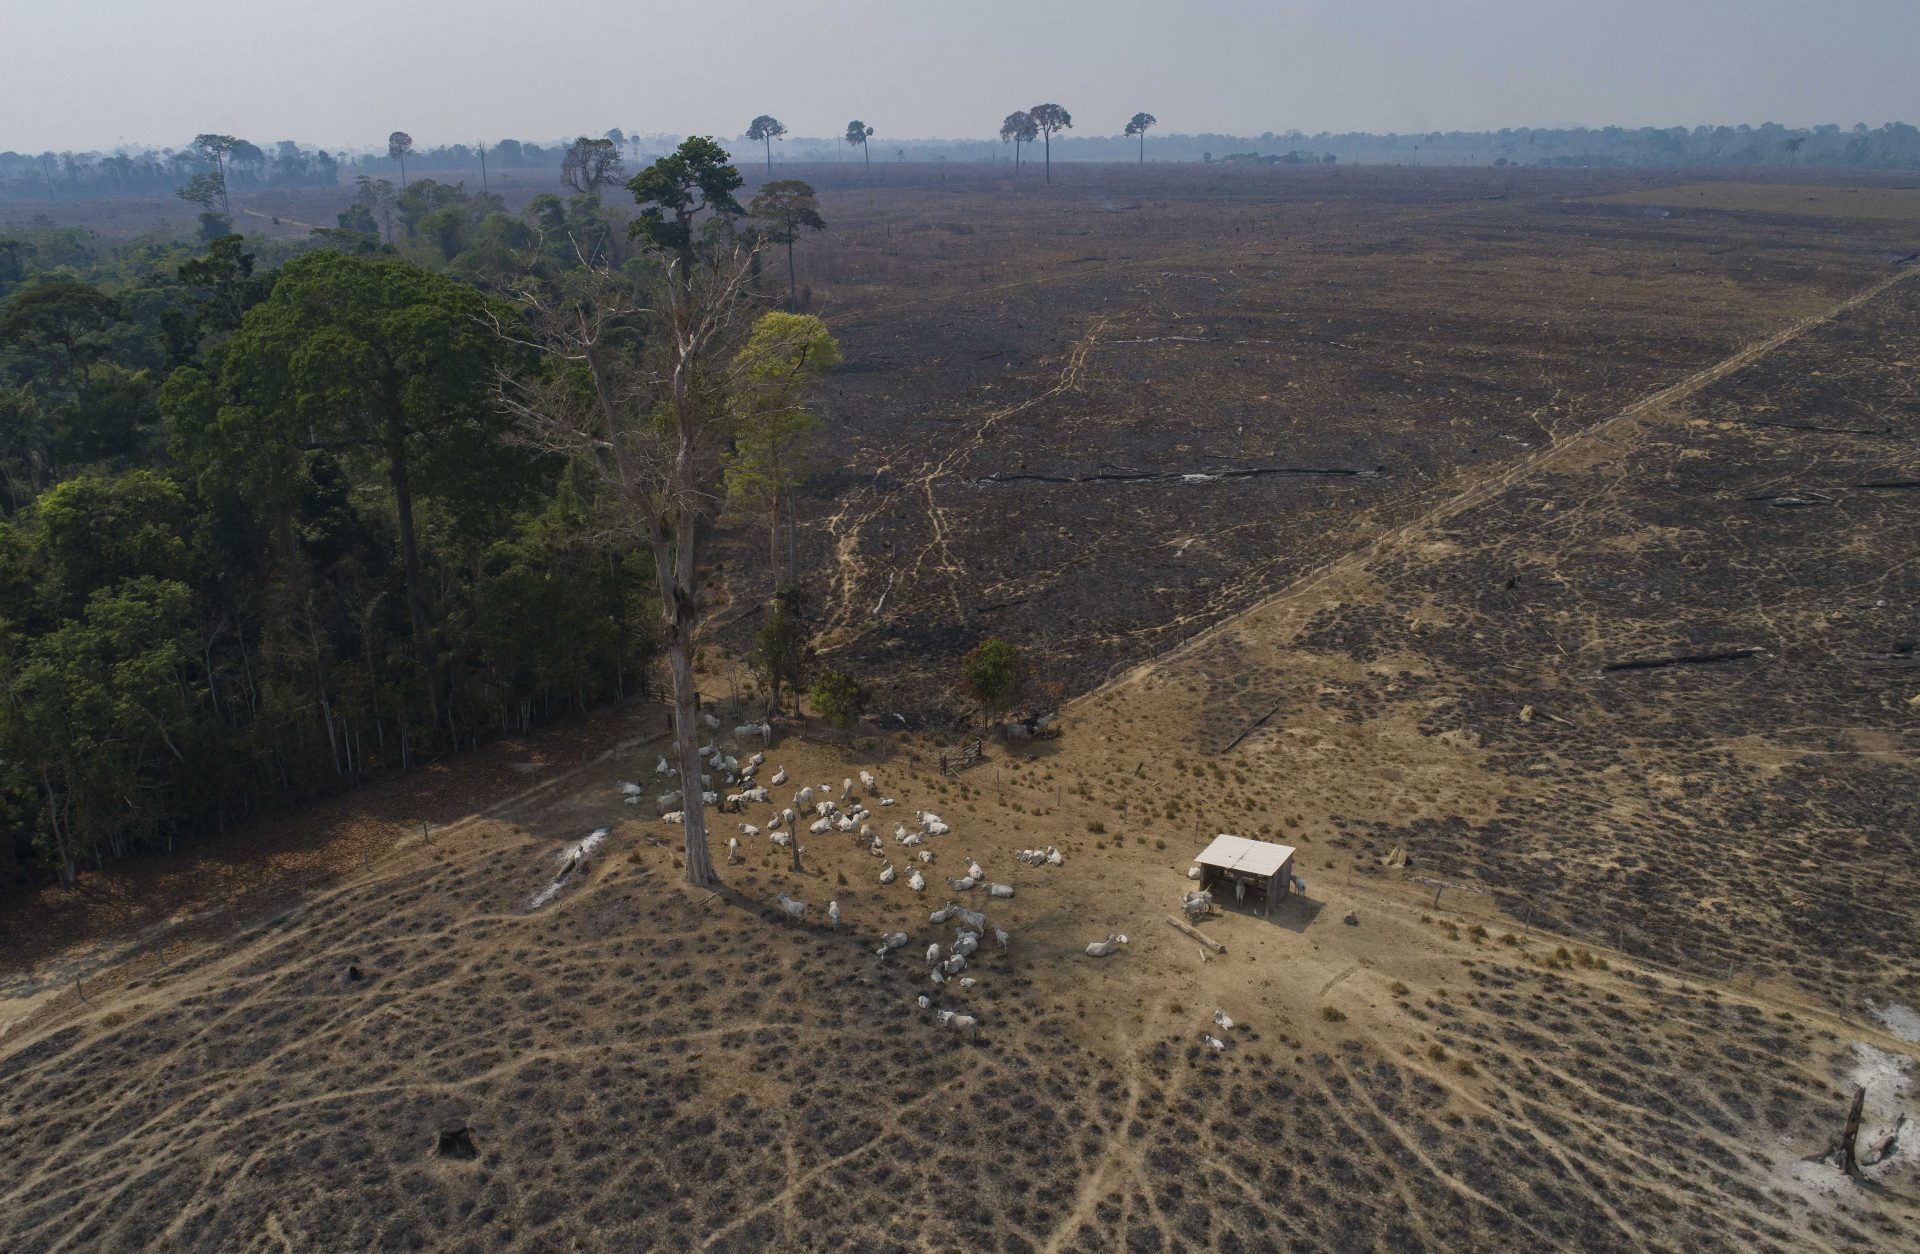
1250,857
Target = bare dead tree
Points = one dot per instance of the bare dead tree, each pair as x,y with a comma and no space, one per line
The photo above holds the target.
637,395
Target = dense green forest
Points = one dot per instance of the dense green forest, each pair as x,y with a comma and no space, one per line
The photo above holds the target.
275,523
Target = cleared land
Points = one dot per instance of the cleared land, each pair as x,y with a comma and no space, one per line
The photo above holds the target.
1100,420
1640,692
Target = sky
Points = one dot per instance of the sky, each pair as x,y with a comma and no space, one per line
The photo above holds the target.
86,74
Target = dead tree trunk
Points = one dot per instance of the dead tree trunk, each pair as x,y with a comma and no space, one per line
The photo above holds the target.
1848,1162
681,613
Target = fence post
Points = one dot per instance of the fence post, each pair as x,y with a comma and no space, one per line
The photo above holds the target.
1438,889
423,832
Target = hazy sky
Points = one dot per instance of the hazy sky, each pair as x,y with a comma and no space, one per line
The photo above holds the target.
94,73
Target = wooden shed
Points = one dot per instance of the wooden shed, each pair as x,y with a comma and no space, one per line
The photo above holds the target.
1247,864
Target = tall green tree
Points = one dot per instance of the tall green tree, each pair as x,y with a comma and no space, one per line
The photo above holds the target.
638,396
787,207
1139,124
695,178
1046,119
765,129
776,436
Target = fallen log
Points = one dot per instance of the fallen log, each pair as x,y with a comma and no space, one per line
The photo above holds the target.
1251,728
1197,934
1804,426
1682,659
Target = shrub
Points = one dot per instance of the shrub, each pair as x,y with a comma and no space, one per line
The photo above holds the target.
1333,1014
838,699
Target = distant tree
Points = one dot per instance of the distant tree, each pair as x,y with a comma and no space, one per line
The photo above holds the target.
214,148
1048,118
765,129
779,654
993,675
399,144
616,137
591,164
1018,129
694,178
858,133
838,699
208,189
1139,125
787,206
249,158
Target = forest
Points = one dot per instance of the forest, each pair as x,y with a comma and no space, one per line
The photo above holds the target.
278,520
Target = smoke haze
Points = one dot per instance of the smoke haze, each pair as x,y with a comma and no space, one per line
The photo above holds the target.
107,72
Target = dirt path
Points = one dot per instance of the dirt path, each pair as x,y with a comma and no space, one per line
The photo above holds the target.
277,220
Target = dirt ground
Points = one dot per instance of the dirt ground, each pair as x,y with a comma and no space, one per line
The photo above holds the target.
1604,743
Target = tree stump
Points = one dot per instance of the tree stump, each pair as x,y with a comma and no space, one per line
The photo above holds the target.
456,1141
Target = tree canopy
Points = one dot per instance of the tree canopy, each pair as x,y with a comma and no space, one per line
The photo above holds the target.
695,178
786,207
1139,124
858,135
591,164
994,674
1046,119
765,129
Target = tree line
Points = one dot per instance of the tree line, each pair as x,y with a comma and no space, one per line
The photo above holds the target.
275,525
69,175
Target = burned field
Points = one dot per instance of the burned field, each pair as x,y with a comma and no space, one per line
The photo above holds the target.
1097,419
1709,617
